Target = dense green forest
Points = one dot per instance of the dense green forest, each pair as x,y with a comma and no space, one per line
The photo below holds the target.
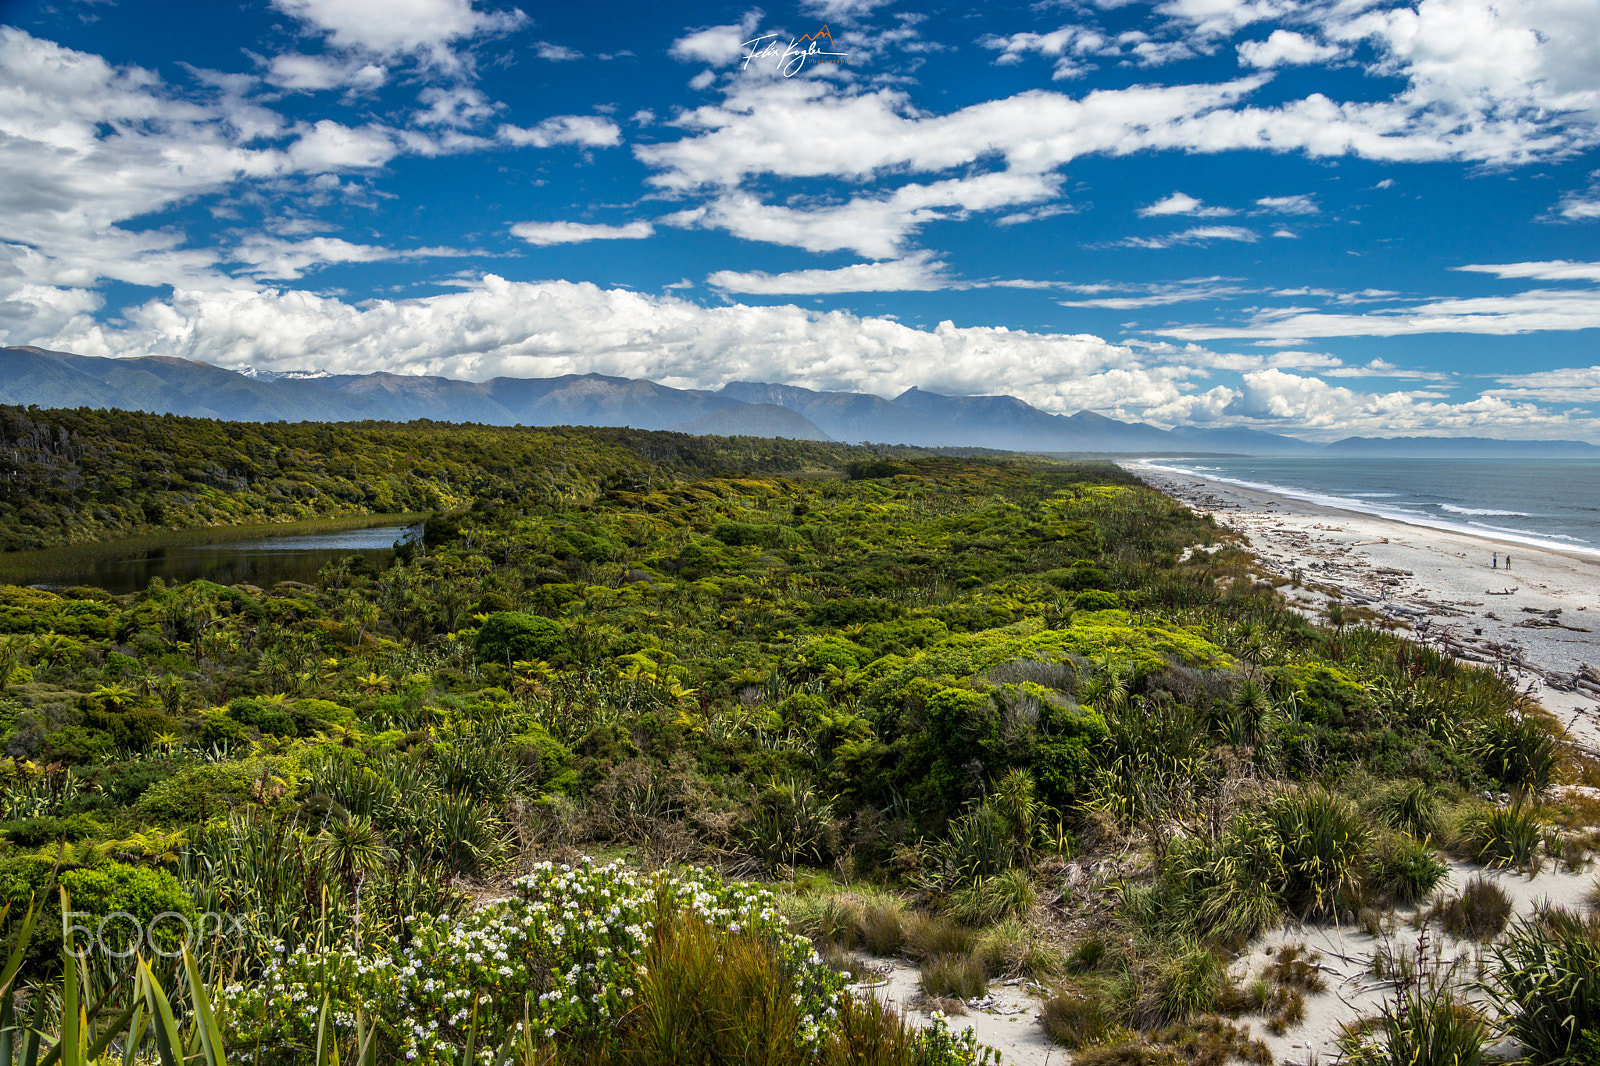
87,475
654,727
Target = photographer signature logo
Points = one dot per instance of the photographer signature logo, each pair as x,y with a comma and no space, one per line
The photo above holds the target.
792,58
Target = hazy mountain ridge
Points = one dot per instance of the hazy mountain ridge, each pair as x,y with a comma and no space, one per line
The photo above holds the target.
30,375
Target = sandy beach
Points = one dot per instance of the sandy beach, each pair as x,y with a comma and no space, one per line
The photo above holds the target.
1539,620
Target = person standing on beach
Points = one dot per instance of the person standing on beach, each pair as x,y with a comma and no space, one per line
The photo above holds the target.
1494,562
1508,562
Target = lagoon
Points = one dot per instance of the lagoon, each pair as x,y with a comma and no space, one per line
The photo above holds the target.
259,555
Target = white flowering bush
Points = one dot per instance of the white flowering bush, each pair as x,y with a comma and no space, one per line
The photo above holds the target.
564,957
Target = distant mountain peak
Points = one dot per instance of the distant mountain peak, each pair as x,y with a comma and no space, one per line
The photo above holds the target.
165,384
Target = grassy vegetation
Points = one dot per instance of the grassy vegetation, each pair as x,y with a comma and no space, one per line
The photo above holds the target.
1001,718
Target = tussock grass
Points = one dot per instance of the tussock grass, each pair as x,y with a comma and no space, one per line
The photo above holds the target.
1075,1019
991,899
928,936
958,976
1012,949
1480,912
857,920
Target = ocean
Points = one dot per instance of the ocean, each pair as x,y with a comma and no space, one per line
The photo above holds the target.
1547,503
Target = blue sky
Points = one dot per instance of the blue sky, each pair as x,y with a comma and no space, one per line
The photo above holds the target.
1318,217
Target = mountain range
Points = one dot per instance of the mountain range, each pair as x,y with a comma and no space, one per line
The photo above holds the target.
159,384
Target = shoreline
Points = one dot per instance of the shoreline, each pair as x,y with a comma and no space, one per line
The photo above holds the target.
1539,623
1343,505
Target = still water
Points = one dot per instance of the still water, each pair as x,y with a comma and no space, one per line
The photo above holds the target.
261,560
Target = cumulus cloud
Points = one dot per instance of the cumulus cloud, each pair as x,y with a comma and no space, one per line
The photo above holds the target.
1520,76
555,53
1068,46
1221,18
309,73
716,45
1569,385
1319,408
1181,204
589,131
390,27
1285,48
546,233
874,227
495,327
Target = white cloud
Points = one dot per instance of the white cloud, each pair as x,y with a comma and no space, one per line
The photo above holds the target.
271,257
1300,204
499,327
297,72
1285,48
1221,18
546,233
1522,74
841,10
1155,294
329,145
392,27
919,272
1193,235
1582,204
587,130
1534,311
496,327
1181,204
1316,408
457,106
716,45
1549,270
1568,385
873,227
555,53
1067,45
